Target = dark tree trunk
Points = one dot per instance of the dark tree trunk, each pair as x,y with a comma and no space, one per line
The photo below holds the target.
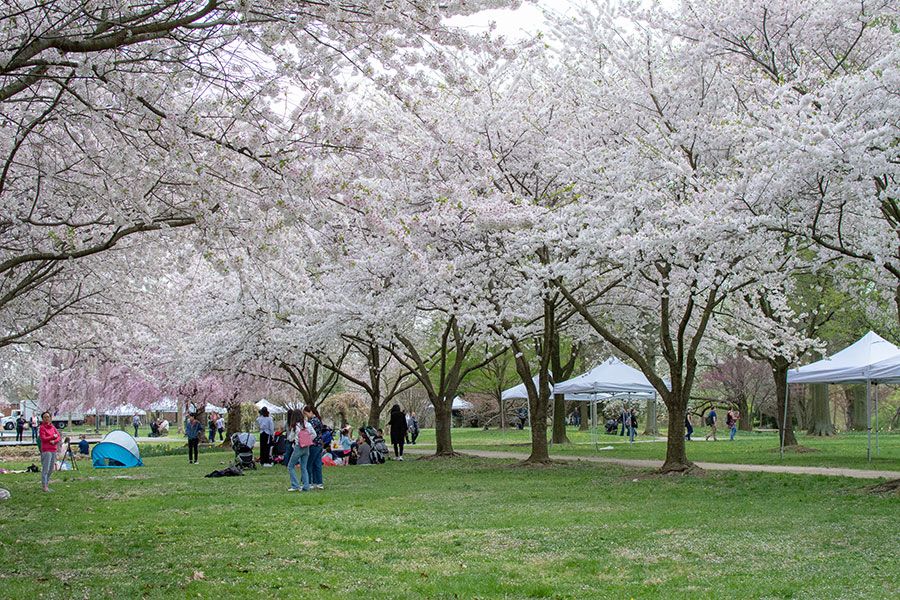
786,429
856,407
538,407
676,457
232,424
443,418
745,423
584,410
375,410
819,411
559,420
539,399
652,426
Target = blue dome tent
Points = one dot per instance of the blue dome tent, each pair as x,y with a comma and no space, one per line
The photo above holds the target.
118,450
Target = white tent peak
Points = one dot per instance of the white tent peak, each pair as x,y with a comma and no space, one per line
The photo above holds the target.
460,404
123,439
274,409
610,376
851,365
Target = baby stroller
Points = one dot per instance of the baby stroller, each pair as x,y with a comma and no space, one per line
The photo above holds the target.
242,444
379,446
279,448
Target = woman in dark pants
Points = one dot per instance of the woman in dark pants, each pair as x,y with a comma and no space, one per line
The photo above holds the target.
266,431
398,430
193,429
315,451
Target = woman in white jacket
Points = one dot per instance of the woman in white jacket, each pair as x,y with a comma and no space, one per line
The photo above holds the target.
304,434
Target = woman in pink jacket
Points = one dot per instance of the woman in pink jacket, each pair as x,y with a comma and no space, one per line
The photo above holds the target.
50,440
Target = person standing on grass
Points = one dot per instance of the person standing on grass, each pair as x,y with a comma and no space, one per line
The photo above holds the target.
731,422
33,423
712,419
193,429
50,440
408,428
136,422
266,432
315,451
397,424
212,427
623,418
632,424
304,434
20,427
688,427
220,427
415,427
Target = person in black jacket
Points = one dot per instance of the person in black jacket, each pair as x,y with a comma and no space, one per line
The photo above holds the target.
398,430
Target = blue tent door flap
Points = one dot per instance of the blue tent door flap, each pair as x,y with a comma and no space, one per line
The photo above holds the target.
107,455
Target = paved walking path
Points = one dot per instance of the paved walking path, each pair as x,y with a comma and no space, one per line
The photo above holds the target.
655,464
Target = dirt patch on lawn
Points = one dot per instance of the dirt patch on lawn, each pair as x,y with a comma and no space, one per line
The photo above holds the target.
795,449
888,488
19,454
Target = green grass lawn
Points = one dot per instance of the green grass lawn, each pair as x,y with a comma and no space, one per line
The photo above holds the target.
465,528
843,450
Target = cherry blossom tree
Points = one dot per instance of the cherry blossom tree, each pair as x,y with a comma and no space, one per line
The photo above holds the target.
124,118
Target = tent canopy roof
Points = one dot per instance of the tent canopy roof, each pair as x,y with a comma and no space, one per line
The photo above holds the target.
612,376
460,404
886,371
611,379
123,410
123,439
274,409
853,364
164,404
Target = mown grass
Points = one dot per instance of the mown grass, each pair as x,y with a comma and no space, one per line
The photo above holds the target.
465,528
842,450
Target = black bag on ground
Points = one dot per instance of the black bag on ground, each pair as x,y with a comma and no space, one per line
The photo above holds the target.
229,472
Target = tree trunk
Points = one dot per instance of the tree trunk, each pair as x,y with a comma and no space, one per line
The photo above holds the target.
539,450
375,409
779,372
652,427
232,424
745,423
856,407
676,457
819,411
559,420
584,409
443,417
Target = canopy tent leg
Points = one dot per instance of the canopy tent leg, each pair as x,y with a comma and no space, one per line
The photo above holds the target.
594,433
787,390
868,422
876,418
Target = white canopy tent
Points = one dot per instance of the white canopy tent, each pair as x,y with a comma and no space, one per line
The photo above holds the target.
612,376
520,393
123,410
870,360
460,404
886,371
274,409
164,404
610,380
